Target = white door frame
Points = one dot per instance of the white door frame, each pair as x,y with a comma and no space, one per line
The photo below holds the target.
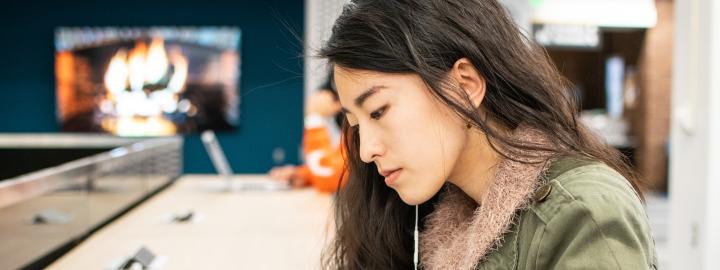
694,240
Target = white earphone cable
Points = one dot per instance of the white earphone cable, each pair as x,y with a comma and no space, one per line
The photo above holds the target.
416,236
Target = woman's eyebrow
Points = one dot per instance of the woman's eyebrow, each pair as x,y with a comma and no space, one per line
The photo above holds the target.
359,100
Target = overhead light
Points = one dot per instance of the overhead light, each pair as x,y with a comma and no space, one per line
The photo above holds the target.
600,13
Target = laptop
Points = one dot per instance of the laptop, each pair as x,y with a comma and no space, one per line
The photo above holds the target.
232,182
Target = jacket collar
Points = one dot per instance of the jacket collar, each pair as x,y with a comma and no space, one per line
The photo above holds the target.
460,233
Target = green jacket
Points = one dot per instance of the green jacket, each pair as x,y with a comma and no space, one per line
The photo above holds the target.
587,217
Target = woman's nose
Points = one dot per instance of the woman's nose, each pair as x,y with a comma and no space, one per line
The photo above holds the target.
370,146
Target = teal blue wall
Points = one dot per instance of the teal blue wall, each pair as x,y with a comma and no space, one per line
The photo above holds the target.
271,74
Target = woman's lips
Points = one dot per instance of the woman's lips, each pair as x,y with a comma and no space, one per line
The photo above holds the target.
391,176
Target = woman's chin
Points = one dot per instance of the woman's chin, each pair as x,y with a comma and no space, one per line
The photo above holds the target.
413,199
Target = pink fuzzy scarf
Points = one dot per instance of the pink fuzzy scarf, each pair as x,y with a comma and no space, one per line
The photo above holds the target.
460,233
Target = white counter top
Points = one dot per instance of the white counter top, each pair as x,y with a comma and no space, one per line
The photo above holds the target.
64,140
230,230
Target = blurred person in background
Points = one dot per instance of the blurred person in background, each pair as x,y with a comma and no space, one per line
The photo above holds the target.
324,162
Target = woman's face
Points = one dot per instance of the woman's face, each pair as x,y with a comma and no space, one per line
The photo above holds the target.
413,139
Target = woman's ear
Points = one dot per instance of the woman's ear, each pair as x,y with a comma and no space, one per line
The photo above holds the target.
470,80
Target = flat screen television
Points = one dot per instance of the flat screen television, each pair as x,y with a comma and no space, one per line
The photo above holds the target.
147,81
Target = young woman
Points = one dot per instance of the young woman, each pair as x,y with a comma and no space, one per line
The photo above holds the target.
451,108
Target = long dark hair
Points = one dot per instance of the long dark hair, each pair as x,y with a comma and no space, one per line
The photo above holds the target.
329,85
426,38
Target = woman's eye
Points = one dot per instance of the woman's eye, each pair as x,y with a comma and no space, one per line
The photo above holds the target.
378,113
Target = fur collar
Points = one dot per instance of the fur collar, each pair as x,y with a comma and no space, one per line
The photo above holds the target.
459,233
